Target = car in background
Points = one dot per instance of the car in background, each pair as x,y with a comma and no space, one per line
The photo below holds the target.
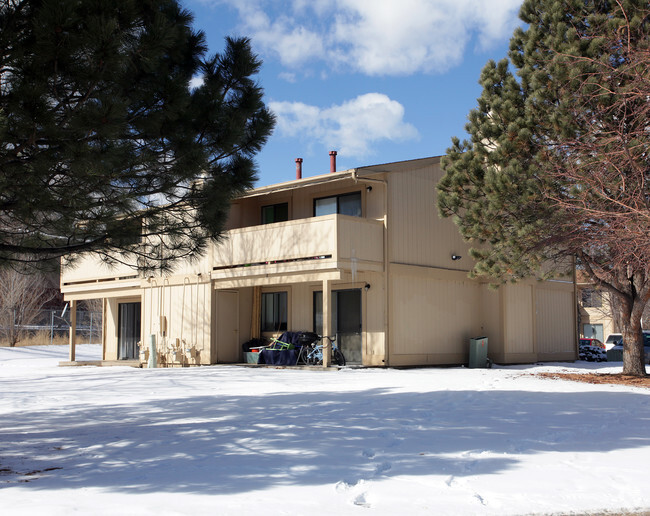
612,340
615,354
592,350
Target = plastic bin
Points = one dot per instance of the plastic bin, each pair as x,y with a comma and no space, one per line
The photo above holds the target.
251,357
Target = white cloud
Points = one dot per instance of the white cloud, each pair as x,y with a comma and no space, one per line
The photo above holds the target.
287,76
352,127
280,33
376,37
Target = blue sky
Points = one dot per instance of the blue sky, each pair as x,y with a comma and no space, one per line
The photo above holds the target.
375,80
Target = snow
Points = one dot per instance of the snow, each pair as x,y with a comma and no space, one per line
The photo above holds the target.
233,440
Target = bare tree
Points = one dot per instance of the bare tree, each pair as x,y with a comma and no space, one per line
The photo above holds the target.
21,296
603,167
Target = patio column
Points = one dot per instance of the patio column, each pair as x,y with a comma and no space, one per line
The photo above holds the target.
73,329
257,309
327,322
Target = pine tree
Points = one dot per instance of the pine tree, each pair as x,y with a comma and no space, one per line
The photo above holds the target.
104,145
556,169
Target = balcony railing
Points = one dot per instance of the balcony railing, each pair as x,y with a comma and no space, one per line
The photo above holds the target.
335,238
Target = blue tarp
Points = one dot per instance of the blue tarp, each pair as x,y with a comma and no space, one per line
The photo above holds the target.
278,357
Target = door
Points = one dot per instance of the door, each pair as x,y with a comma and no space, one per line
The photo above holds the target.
128,330
346,321
228,346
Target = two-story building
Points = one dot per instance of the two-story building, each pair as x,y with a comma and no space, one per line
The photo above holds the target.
359,253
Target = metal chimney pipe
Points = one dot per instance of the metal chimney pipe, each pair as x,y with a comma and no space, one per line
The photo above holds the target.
332,161
298,168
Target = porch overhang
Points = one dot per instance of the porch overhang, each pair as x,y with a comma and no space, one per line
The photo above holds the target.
95,289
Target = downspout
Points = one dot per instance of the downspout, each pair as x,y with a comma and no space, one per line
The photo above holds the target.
104,312
152,346
384,182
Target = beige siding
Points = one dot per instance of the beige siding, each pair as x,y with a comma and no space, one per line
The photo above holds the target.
493,321
302,306
519,323
418,235
88,266
555,319
433,317
179,316
374,317
110,330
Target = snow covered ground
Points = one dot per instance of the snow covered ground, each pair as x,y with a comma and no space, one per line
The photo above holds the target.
242,441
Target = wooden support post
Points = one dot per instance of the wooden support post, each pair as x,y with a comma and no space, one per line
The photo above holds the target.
327,323
256,314
73,329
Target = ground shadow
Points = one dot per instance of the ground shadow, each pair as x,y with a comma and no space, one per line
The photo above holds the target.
224,443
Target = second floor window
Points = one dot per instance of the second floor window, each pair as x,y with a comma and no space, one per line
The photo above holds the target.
345,204
275,213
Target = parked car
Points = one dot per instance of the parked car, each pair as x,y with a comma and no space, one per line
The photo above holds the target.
612,340
615,353
592,350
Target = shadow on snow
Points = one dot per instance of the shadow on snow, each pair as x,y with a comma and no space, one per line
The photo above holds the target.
225,444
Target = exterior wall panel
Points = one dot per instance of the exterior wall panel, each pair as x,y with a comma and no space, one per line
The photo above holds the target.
418,235
555,320
433,317
519,319
493,321
179,315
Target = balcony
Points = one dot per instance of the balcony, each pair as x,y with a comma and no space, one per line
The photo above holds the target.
315,244
90,277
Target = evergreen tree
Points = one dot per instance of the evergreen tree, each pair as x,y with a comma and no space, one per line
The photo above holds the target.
557,166
104,145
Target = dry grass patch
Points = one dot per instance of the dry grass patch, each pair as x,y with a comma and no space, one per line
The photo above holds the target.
600,378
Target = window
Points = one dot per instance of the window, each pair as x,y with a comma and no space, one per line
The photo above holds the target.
346,204
275,213
274,311
592,298
593,331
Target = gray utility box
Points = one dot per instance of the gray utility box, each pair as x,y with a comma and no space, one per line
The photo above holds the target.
478,348
615,355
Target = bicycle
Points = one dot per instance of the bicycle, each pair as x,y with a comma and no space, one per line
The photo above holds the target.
311,353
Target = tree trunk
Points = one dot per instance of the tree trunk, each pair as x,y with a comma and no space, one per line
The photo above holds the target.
633,351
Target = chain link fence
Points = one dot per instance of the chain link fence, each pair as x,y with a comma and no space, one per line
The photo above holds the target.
39,327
